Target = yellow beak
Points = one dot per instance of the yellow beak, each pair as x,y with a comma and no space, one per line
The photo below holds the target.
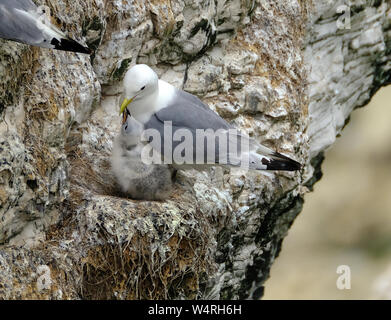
124,105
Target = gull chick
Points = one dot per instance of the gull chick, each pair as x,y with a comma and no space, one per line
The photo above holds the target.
138,180
155,103
23,21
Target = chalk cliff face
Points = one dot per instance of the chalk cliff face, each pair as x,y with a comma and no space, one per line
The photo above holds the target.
282,71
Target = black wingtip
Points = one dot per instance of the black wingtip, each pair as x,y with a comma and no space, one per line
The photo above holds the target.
281,162
69,45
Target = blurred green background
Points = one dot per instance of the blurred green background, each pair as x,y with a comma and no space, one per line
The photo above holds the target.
347,219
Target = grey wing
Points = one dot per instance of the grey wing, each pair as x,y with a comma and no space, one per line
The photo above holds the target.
26,5
14,26
188,113
230,147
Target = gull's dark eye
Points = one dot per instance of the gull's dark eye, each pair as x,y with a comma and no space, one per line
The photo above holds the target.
142,88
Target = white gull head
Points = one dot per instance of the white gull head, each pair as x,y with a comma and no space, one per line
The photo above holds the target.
140,81
144,93
141,89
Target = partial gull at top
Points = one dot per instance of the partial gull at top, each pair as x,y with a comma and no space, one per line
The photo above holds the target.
23,21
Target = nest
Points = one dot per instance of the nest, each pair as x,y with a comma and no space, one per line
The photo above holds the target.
162,254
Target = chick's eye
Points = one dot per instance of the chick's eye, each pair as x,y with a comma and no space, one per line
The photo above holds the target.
142,88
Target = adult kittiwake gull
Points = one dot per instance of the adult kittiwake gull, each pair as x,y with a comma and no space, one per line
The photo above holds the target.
136,179
23,21
185,132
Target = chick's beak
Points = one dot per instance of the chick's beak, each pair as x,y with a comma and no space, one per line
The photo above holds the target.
124,117
124,105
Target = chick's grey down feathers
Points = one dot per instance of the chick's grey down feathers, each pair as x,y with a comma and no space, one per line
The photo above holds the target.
136,179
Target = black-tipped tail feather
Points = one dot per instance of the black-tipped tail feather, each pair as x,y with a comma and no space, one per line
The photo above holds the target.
69,45
280,162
